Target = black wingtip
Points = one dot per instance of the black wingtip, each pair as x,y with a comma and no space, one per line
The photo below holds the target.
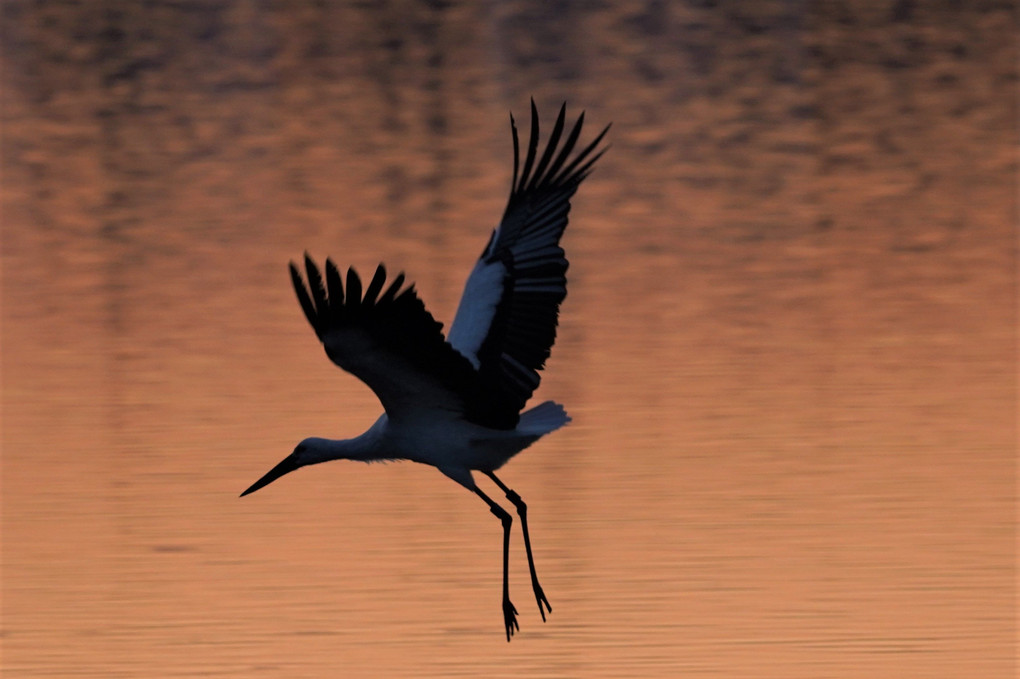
375,286
550,148
529,160
315,285
555,166
353,288
581,165
393,289
307,306
517,152
334,284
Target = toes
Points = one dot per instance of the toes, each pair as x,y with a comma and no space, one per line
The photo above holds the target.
540,597
510,619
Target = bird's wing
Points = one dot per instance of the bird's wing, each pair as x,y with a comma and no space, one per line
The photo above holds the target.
388,340
506,321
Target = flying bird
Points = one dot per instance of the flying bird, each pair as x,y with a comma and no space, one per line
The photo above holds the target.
455,402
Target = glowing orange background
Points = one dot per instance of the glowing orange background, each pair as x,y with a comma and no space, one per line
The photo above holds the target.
788,347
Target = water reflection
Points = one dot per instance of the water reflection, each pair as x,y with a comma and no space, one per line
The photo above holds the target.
787,349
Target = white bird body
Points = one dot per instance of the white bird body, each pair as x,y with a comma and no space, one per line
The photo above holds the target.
456,402
442,440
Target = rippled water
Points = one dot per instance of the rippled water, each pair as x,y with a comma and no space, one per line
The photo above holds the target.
788,347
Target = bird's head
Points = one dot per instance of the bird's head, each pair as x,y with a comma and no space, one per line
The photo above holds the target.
304,454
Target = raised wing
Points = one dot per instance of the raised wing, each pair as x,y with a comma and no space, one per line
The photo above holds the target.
390,342
506,321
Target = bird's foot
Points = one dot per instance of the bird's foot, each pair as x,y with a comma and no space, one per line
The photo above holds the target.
540,597
509,618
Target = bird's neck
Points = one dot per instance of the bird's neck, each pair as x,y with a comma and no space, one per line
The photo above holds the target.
365,448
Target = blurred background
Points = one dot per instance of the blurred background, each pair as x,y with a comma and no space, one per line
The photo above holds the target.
789,347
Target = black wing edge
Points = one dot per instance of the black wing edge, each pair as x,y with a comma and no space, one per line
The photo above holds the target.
548,183
552,173
523,328
326,305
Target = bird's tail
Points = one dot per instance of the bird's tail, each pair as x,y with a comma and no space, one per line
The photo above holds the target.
543,418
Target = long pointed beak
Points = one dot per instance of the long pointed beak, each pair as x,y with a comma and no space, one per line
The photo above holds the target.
288,465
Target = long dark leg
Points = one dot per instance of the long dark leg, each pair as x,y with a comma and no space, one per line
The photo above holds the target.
522,511
509,612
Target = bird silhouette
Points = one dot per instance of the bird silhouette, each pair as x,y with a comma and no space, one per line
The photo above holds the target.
455,403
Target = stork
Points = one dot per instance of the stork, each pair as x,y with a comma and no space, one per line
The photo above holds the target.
455,403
